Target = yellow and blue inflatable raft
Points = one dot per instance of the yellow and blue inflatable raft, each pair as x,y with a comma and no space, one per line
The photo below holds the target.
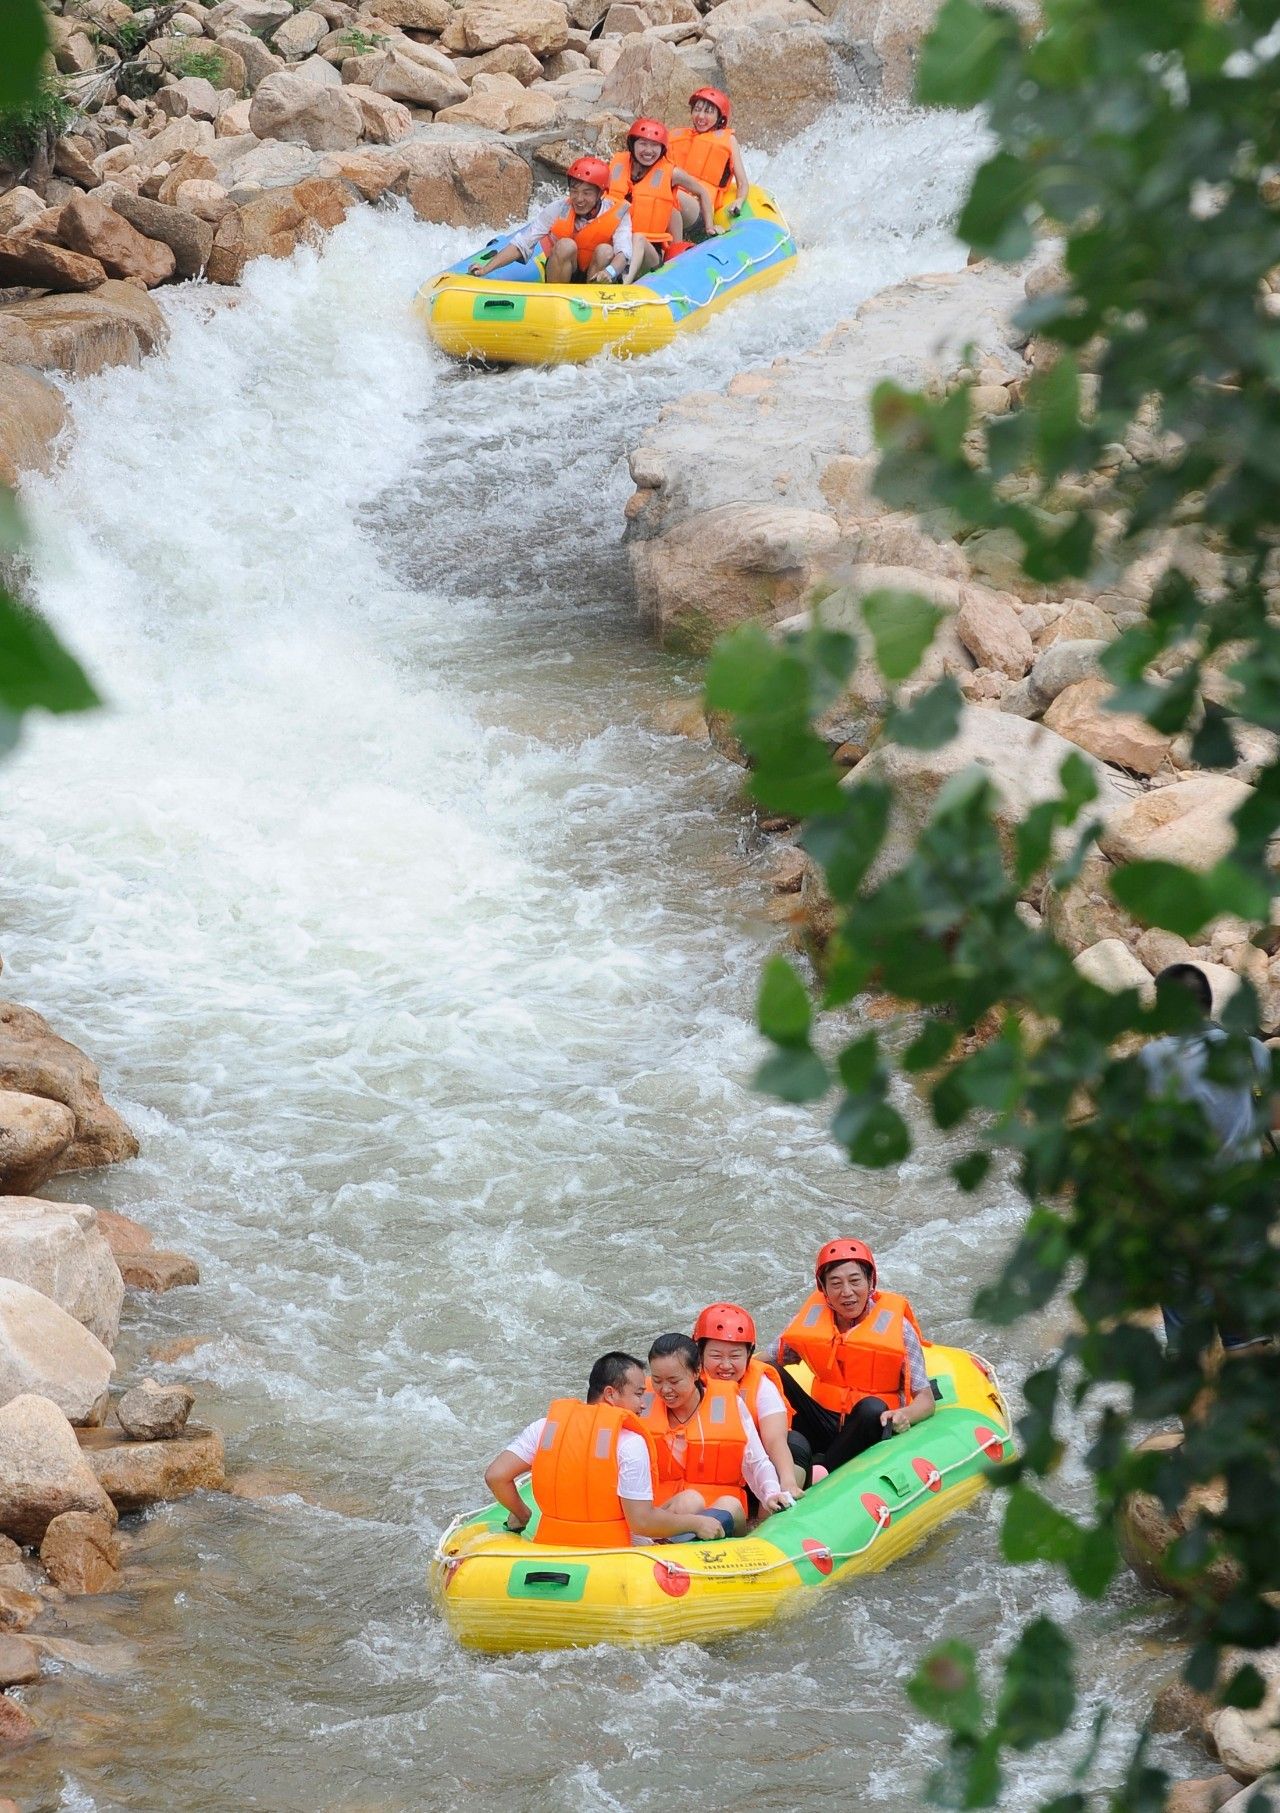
502,1592
519,320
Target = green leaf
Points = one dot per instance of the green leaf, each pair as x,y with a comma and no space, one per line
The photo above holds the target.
930,1046
994,219
35,668
932,720
1054,396
902,626
971,1170
1034,1530
741,666
945,1689
783,1009
1164,894
25,41
1245,1689
859,1063
964,54
793,1076
1039,1693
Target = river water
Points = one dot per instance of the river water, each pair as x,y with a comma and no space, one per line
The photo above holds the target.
423,965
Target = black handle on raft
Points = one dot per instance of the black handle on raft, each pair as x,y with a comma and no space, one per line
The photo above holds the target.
546,1579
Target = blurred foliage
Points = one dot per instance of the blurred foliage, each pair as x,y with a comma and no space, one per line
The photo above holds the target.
36,670
1145,134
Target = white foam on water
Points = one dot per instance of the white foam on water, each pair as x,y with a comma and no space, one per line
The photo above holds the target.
425,968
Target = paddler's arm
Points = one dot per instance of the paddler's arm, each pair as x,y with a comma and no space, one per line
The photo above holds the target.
922,1403
645,1519
739,176
500,1476
485,267
680,179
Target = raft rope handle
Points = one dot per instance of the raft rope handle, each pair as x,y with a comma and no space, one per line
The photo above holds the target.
652,301
452,1563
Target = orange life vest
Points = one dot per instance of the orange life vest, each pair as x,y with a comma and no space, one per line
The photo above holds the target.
749,1387
652,197
714,1442
869,1360
706,155
585,234
575,1475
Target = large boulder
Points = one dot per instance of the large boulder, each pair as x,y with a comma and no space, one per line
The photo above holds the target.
187,237
992,632
92,227
776,59
1147,1531
46,1351
1248,1743
422,80
138,1474
34,1133
1021,759
300,34
484,24
466,179
259,61
1188,823
716,570
411,15
509,108
42,1471
33,414
33,1058
1111,965
653,77
81,1553
56,1249
288,106
1085,911
142,1264
1064,664
1080,713
30,263
385,122
881,39
118,324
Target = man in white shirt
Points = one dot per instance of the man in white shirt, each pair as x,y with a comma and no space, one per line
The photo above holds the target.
617,1382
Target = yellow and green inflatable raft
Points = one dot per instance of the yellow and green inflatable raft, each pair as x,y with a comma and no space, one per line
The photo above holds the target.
502,1592
517,319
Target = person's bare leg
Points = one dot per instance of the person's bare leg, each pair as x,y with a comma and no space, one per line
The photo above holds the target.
602,256
562,261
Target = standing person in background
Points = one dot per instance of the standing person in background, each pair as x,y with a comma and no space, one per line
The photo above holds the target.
864,1348
1238,1112
593,1468
708,150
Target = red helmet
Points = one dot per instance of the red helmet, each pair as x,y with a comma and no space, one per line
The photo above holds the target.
652,129
592,170
835,1252
725,1322
718,100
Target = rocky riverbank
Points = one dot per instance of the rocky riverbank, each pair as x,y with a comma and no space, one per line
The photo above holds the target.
79,1447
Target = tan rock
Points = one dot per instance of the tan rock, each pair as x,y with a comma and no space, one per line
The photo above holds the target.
18,206
1188,823
481,25
288,106
259,60
1179,1707
180,136
153,1412
233,121
1085,912
508,59
42,1474
300,34
191,95
33,414
369,173
29,263
989,628
501,110
651,77
45,1351
719,569
19,1608
272,226
230,251
1205,1796
433,85
143,1265
189,239
55,1248
1080,714
73,159
19,1663
1248,1743
412,15
1112,965
1147,1532
1079,621
192,166
91,227
33,1059
783,76
386,122
81,1553
1062,664
17,1727
466,182
138,1474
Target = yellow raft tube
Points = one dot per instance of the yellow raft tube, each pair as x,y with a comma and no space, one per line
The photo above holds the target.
519,320
500,1592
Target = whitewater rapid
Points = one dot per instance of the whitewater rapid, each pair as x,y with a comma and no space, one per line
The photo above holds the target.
424,966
